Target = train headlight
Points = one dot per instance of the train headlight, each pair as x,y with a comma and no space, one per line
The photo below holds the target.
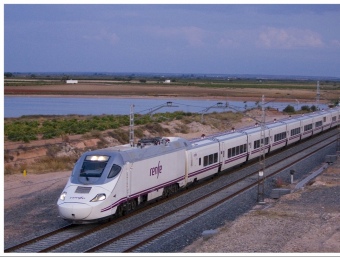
99,197
63,196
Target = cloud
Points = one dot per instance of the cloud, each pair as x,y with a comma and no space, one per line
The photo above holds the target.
104,35
335,43
226,42
194,36
290,38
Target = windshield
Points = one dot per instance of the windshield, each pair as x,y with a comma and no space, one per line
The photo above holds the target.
93,166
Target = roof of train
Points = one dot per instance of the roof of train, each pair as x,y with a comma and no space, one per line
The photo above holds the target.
252,129
132,154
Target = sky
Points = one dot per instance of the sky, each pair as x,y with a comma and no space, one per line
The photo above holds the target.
271,39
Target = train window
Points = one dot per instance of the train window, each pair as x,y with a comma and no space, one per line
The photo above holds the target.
318,124
280,136
199,161
324,119
93,166
210,159
334,118
266,141
308,127
205,161
243,148
257,143
215,157
114,171
237,150
276,138
295,131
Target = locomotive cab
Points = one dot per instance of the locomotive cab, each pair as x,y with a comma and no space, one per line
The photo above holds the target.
87,190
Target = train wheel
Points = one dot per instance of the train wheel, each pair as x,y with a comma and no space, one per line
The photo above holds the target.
175,188
170,190
120,211
133,204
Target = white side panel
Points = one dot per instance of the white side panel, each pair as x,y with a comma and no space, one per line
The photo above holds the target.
253,153
156,173
296,137
198,169
238,159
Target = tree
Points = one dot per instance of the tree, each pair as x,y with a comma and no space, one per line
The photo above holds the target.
305,108
289,109
8,74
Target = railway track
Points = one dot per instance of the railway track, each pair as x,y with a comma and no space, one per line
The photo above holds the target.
132,232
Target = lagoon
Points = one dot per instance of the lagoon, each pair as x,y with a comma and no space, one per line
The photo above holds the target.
17,106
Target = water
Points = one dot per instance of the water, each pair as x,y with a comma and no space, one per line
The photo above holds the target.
16,106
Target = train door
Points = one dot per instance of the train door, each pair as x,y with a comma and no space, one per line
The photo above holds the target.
222,154
129,167
188,161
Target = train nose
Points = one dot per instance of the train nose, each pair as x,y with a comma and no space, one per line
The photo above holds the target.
74,211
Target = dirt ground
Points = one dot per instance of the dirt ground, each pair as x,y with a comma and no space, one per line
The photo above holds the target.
169,90
305,221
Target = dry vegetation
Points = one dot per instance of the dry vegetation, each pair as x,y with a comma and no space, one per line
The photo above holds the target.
277,92
40,156
60,153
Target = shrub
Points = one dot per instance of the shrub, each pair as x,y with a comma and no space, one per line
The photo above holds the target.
121,135
182,128
305,108
52,150
289,109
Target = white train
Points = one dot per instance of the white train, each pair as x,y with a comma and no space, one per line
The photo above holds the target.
115,180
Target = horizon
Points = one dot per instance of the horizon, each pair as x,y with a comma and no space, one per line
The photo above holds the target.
177,74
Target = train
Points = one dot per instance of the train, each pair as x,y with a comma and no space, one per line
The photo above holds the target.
113,181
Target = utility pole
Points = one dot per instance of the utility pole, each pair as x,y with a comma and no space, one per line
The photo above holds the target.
132,134
260,188
338,142
261,175
132,119
317,95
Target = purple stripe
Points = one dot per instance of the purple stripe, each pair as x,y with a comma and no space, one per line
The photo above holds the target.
141,192
204,170
259,149
236,158
279,142
293,137
305,133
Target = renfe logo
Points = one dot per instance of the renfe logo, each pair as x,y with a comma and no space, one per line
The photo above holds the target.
156,170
